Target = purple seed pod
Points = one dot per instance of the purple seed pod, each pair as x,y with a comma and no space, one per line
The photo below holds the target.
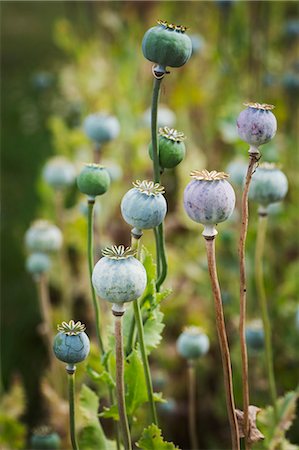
209,199
256,124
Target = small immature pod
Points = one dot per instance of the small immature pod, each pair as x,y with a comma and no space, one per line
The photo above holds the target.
101,127
209,199
171,147
71,344
237,170
43,438
59,173
93,180
38,263
118,277
269,185
193,343
254,335
144,207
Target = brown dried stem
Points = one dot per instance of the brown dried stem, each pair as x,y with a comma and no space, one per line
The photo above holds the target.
253,159
223,342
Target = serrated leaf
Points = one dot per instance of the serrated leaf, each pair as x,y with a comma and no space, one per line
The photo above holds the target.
153,328
92,435
102,377
274,430
110,413
152,439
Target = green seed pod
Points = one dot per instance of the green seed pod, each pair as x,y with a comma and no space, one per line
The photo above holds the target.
171,147
71,344
268,185
43,438
193,343
93,180
43,236
59,173
38,263
167,45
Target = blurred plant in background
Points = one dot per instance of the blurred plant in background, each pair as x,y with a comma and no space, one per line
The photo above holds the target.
93,64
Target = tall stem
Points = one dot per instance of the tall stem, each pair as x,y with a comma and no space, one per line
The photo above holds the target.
71,382
43,295
90,267
223,342
261,292
159,232
253,158
120,384
192,405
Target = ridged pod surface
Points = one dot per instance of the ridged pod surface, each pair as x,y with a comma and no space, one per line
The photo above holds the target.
193,343
167,45
269,185
101,127
143,210
71,344
119,279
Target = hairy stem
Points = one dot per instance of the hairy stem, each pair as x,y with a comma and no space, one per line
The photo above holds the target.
192,405
223,342
253,158
71,382
261,292
120,384
90,267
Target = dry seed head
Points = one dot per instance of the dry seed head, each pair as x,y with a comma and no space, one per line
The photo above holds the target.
172,26
256,105
118,252
71,328
171,133
208,176
148,187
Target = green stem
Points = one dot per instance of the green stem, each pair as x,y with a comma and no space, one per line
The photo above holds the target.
90,267
120,384
260,286
192,405
159,232
71,381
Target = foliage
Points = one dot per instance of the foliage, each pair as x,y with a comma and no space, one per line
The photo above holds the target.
152,439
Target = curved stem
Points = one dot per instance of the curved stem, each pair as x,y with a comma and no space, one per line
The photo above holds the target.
253,158
71,382
223,342
261,292
163,259
90,267
192,405
120,384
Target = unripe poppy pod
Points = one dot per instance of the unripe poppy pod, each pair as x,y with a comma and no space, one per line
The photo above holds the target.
171,147
43,236
93,180
101,127
59,173
71,344
268,185
193,343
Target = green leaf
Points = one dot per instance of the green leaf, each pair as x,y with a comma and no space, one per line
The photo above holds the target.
153,328
102,377
92,435
152,439
110,413
136,393
275,430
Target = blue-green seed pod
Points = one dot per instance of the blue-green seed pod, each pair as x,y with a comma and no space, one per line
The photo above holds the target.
59,173
93,180
171,147
268,185
209,199
193,343
43,438
144,206
254,335
257,124
38,263
237,170
101,127
71,344
118,277
167,45
43,236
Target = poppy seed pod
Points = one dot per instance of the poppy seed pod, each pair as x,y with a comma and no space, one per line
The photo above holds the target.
237,170
268,185
43,438
118,277
59,173
256,124
38,263
166,117
171,147
193,343
254,335
93,180
144,207
167,45
101,127
209,199
71,344
43,236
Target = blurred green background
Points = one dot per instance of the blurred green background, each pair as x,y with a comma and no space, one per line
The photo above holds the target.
64,60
